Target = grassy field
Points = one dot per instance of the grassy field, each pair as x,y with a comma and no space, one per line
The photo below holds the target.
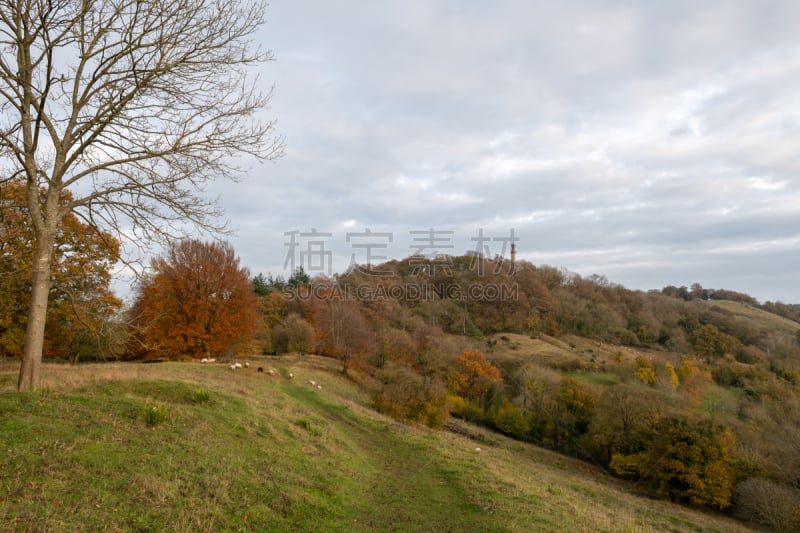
247,451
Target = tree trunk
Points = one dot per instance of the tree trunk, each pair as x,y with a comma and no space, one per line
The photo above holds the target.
34,334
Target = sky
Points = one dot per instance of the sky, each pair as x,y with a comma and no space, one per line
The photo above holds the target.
654,143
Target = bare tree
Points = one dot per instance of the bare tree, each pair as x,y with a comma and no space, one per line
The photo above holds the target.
133,106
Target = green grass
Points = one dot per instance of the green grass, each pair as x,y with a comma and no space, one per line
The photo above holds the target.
269,453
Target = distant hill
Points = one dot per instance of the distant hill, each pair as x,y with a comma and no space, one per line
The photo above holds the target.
692,393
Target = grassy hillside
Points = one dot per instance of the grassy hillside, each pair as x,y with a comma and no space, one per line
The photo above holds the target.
756,318
270,452
509,349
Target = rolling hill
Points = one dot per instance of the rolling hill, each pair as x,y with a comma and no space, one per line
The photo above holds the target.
249,451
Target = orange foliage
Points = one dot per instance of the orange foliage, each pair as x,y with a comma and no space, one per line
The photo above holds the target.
694,379
80,301
475,375
198,302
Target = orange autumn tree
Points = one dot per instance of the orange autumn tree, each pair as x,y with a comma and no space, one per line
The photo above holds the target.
198,302
474,376
81,308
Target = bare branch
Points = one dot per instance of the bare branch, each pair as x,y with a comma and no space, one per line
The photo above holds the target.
133,106
155,92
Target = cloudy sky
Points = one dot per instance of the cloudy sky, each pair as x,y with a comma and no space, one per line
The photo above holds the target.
655,143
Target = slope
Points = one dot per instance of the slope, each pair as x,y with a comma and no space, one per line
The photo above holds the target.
270,452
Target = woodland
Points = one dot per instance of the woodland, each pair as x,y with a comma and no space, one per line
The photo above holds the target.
692,394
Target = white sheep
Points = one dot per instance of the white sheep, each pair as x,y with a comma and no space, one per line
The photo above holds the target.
246,364
233,367
211,360
312,383
271,372
237,365
291,375
319,387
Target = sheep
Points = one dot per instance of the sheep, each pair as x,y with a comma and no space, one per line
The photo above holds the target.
271,372
237,365
211,360
312,383
233,367
204,360
261,369
291,375
319,387
246,364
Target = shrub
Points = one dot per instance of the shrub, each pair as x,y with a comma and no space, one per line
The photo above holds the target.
774,506
201,396
687,460
154,413
512,421
408,396
458,405
708,341
627,338
645,371
306,424
293,334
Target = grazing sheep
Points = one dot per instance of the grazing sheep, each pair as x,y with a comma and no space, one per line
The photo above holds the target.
237,365
211,360
291,375
233,367
246,364
204,360
260,369
312,383
271,372
319,387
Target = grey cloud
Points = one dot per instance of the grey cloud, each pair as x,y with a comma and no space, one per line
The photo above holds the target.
654,142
